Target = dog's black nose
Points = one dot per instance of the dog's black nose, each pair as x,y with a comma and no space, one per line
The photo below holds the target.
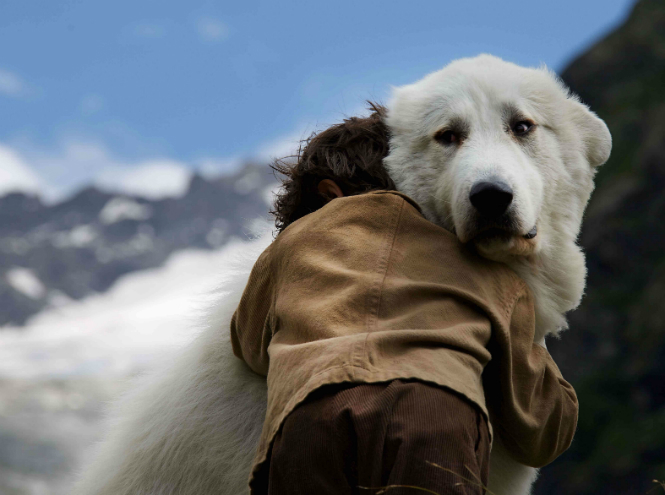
491,198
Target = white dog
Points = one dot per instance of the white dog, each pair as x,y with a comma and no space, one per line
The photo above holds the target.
501,155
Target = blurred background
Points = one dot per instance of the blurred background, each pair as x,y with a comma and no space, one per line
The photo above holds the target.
135,139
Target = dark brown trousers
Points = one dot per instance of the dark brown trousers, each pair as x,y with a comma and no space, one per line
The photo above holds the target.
359,438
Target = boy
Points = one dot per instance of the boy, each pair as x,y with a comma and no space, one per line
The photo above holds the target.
376,327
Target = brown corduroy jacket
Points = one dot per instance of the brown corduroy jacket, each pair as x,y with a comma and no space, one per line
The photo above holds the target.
366,289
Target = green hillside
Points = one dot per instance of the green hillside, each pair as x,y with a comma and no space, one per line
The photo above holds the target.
614,352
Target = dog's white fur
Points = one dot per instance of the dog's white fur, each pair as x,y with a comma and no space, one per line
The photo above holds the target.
551,172
193,429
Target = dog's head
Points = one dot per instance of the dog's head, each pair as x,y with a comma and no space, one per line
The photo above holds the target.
501,155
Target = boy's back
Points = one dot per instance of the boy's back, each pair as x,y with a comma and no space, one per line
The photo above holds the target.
366,290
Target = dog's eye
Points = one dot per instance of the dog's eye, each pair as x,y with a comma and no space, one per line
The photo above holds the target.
447,137
522,127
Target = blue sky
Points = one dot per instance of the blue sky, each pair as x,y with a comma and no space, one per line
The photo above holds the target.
103,91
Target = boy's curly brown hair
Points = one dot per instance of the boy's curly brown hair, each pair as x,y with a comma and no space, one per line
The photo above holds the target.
350,153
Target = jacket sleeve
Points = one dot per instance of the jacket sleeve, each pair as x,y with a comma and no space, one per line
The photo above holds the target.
251,324
533,408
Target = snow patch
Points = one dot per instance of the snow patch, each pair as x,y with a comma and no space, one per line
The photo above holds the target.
26,282
121,208
80,236
57,298
247,183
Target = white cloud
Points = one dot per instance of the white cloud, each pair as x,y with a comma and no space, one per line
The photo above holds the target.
287,145
149,30
214,167
91,104
77,163
211,29
11,84
270,192
281,147
154,179
70,166
15,174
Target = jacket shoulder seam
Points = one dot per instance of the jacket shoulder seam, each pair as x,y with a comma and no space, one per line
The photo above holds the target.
375,301
398,221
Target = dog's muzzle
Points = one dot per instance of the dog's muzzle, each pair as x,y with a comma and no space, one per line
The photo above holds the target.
491,198
493,218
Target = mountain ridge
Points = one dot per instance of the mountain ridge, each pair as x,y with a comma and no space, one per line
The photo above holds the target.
83,244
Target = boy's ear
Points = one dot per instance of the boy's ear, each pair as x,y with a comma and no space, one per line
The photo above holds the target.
329,189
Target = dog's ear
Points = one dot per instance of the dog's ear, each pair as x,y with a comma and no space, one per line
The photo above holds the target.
593,131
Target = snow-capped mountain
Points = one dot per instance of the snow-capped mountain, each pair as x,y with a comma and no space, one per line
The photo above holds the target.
50,254
58,372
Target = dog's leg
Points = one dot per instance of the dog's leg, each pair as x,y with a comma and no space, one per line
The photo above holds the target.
507,476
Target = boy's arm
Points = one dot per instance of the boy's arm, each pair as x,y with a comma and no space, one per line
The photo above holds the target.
534,409
251,328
